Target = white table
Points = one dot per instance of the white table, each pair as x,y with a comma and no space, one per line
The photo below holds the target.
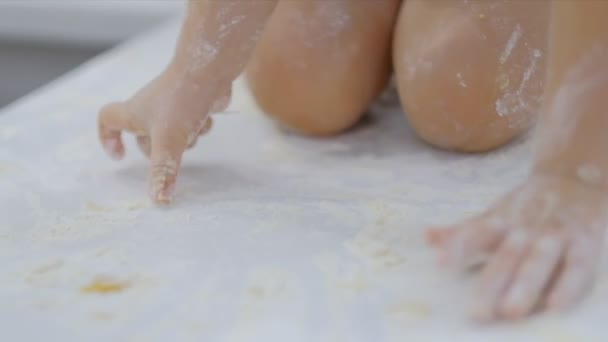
273,237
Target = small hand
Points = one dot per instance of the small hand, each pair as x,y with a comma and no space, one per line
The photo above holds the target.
541,242
167,116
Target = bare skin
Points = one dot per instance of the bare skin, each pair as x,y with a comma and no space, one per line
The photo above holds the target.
168,114
338,50
539,245
470,74
542,241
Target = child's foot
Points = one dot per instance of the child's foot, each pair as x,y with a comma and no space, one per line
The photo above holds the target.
167,116
541,242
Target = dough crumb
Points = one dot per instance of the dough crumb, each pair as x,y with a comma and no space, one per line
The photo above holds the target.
410,308
91,206
102,285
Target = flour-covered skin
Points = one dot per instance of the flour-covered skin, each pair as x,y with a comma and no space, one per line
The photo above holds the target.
169,113
541,243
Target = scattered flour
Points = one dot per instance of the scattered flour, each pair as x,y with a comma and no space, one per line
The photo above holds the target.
519,101
203,54
590,174
409,309
461,80
511,43
381,243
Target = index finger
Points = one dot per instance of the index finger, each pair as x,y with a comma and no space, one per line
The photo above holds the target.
165,158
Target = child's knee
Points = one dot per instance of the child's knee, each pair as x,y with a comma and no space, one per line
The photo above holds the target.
463,86
315,76
296,102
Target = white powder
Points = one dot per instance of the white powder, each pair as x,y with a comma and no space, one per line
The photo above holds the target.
419,65
589,174
328,21
336,16
519,100
161,174
203,54
461,80
228,25
511,43
569,101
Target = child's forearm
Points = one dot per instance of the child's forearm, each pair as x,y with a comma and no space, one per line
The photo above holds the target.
218,37
574,126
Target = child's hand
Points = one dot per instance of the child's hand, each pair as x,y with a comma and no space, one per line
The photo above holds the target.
542,244
167,116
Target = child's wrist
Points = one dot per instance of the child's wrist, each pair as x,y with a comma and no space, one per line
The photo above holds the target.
195,87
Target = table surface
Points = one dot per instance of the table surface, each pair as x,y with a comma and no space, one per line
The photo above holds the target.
272,237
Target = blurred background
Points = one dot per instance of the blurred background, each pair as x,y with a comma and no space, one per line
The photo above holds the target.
42,39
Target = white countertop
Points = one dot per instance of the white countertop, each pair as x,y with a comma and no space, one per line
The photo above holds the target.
272,237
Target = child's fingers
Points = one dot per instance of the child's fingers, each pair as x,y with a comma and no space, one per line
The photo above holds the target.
165,158
436,236
532,277
113,119
470,244
498,274
582,257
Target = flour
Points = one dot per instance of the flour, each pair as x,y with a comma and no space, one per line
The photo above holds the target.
382,243
461,80
568,104
407,309
589,174
519,101
342,277
321,28
203,54
161,174
511,43
417,65
93,220
228,24
334,284
336,16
